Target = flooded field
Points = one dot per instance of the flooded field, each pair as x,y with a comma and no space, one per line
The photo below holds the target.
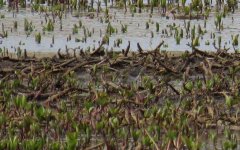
95,28
159,74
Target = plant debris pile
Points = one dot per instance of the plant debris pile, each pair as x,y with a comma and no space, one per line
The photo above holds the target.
128,100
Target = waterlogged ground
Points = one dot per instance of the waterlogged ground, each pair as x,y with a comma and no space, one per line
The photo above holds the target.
136,31
201,86
143,92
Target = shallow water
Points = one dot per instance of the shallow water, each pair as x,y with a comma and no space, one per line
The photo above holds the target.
136,31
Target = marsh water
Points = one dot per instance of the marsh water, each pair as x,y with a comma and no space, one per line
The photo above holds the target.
96,26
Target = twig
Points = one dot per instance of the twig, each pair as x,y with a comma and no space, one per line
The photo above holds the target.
127,49
140,50
65,63
57,95
97,52
155,144
175,90
95,146
167,68
159,45
81,65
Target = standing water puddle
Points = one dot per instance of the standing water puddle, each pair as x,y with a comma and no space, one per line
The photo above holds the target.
136,31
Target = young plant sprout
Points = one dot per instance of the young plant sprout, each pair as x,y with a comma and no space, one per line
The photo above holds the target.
123,28
38,37
235,40
218,21
75,29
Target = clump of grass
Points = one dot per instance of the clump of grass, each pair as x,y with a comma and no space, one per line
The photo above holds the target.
50,26
235,40
117,42
5,34
124,28
178,39
110,29
186,10
1,3
218,21
38,37
28,27
35,7
75,29
163,4
133,9
183,3
200,31
105,39
106,15
231,5
77,40
207,42
193,32
19,52
140,5
196,5
195,42
187,27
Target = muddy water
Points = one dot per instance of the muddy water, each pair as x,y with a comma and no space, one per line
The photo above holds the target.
136,31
